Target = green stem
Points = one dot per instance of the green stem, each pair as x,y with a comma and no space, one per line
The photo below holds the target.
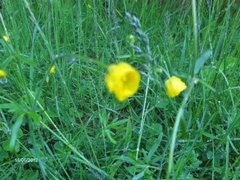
3,23
143,117
195,32
176,126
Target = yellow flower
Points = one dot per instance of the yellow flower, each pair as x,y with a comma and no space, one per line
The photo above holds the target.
6,38
174,86
3,74
122,80
52,70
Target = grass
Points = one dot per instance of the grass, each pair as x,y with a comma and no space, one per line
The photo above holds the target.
67,125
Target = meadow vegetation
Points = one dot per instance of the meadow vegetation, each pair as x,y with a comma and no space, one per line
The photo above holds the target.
62,116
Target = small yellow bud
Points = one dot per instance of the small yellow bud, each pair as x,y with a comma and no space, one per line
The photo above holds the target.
6,38
3,74
52,70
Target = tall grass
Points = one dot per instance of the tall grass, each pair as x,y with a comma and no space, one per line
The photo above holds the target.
67,125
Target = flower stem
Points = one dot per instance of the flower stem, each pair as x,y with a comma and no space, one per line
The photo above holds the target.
143,116
176,126
195,33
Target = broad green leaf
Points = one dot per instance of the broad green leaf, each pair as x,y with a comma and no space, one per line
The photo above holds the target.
14,132
155,145
138,176
201,61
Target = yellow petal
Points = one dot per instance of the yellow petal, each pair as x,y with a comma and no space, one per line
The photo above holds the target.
6,38
174,86
52,70
122,80
3,74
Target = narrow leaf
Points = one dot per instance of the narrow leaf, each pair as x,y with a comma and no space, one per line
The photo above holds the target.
25,59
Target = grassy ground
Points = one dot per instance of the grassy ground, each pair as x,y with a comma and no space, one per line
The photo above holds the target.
67,125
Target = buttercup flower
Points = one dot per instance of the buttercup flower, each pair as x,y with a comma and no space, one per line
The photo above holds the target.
3,74
122,80
174,86
52,70
6,38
